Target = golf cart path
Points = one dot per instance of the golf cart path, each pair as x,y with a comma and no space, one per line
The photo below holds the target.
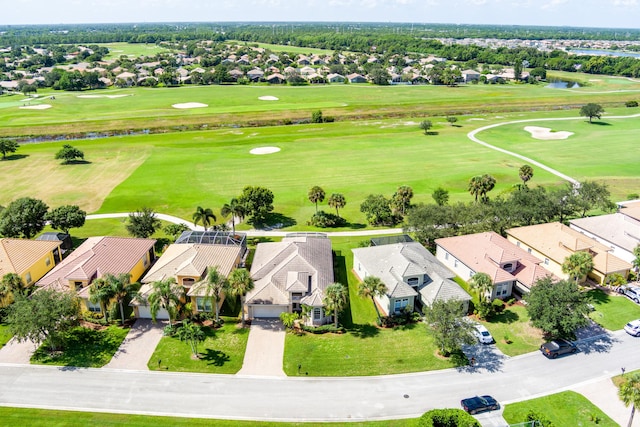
472,136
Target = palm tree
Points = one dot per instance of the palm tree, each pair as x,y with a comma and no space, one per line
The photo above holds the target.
402,198
475,186
335,299
165,294
205,216
123,290
629,393
316,194
578,265
487,183
482,284
337,201
236,210
214,286
372,287
192,334
240,282
11,284
102,292
526,173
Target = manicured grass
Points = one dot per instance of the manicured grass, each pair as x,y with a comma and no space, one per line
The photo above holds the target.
619,379
132,50
5,335
514,323
284,48
566,409
580,156
612,312
84,348
222,352
19,417
365,350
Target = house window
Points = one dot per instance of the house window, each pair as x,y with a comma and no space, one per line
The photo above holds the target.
400,304
446,255
546,261
455,263
471,273
93,306
203,304
502,289
413,281
529,250
27,277
145,261
518,244
188,282
317,313
77,285
47,261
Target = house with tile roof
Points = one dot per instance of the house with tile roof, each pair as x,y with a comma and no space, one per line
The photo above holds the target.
188,264
29,259
511,268
554,242
413,276
96,257
291,274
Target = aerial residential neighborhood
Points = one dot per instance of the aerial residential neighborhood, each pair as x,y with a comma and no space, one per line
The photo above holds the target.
232,223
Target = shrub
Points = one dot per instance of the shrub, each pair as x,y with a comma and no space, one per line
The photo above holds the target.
289,319
323,329
447,418
511,301
536,416
484,310
169,331
630,104
316,116
329,119
323,219
498,305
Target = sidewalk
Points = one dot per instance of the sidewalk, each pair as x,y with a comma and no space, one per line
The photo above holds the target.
604,395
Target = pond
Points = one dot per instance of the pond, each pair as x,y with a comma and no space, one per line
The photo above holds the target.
562,84
604,52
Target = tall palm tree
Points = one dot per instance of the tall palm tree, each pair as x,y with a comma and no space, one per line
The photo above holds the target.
525,173
335,299
236,209
337,201
240,282
214,286
482,284
165,294
11,284
402,198
629,393
578,265
316,194
123,290
487,183
475,186
101,291
205,216
372,287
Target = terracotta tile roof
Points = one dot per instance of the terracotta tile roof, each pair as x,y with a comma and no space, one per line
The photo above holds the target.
557,241
18,255
486,252
96,257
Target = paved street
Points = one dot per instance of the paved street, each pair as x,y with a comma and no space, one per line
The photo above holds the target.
269,398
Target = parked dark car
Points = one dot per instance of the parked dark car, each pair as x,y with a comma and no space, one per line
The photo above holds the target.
476,404
553,349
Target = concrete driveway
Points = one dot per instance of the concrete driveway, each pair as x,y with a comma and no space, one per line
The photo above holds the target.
265,349
17,352
138,346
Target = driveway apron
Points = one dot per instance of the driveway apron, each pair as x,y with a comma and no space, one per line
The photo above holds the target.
265,349
17,352
604,395
138,346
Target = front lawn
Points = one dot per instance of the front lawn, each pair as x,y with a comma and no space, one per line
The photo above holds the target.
566,409
612,312
222,352
5,335
19,417
83,347
365,350
513,323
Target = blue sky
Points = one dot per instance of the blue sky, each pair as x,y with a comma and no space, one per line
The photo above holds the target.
592,13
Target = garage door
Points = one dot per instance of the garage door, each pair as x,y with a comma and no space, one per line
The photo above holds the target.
145,313
268,310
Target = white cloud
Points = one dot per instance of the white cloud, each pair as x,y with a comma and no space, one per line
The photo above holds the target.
625,3
553,4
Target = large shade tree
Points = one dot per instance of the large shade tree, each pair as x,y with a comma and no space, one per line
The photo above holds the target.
143,223
446,322
66,217
240,282
578,265
204,216
7,146
24,217
372,287
335,300
591,110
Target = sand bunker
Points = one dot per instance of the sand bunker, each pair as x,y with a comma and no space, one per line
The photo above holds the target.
264,150
546,134
268,98
35,107
101,96
186,105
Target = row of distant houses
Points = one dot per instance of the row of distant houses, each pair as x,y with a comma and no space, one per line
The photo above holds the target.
296,271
